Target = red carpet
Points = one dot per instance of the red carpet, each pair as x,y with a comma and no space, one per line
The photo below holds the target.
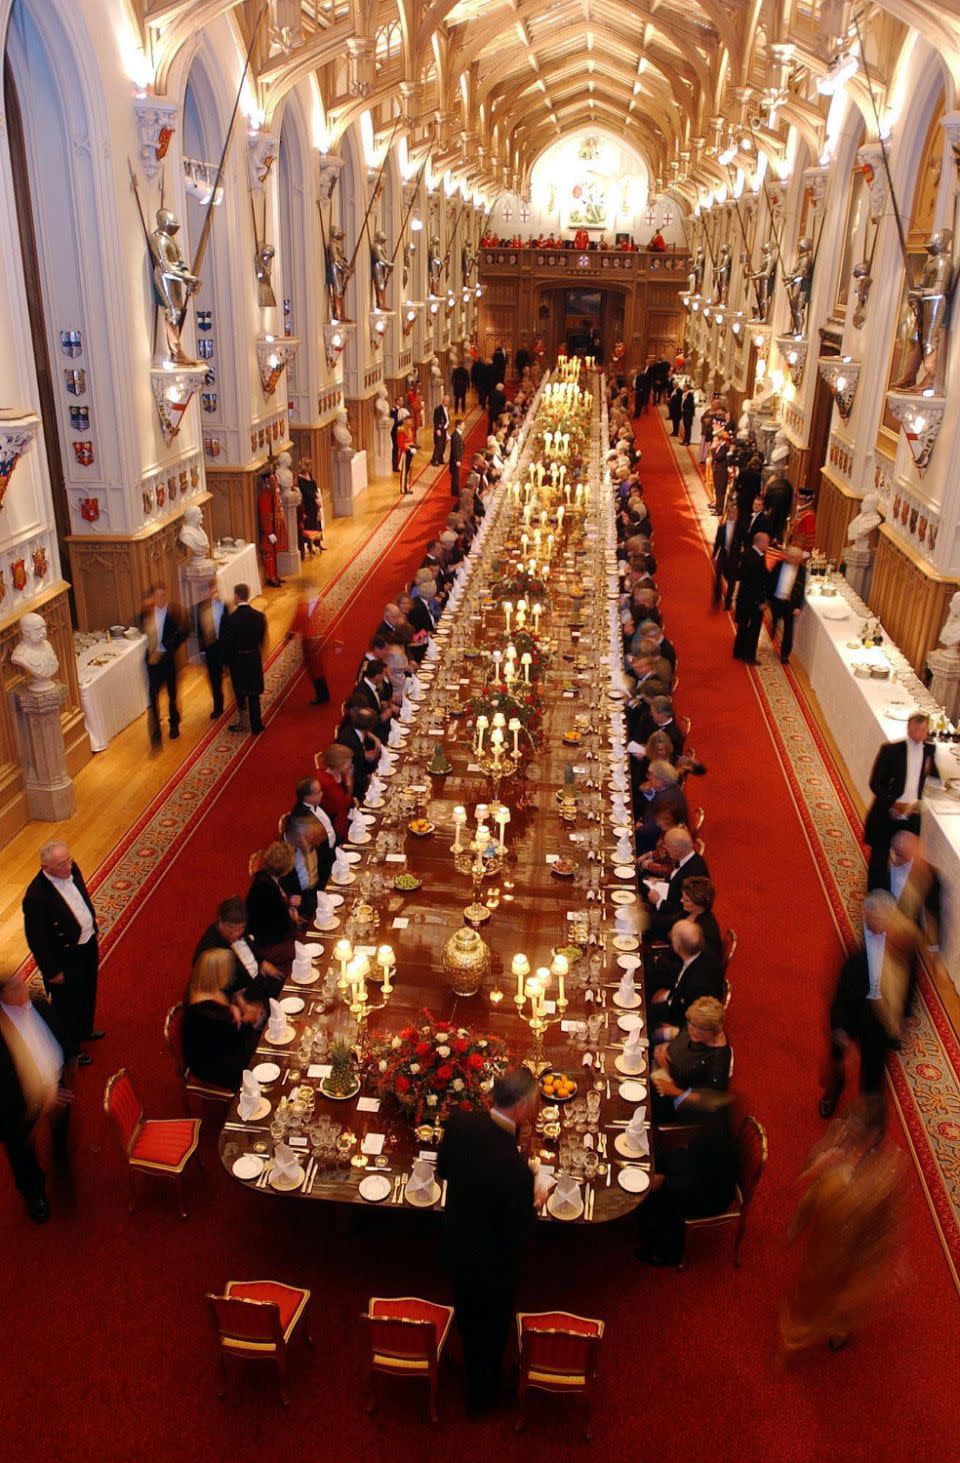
109,1351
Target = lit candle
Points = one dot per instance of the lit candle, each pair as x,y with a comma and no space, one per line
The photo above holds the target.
386,960
560,967
498,717
343,951
520,967
507,612
482,724
526,660
496,742
537,612
514,726
503,818
459,819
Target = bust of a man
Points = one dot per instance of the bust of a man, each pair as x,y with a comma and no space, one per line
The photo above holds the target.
193,536
950,634
861,527
34,653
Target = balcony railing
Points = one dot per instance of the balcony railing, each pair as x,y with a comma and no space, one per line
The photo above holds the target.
614,263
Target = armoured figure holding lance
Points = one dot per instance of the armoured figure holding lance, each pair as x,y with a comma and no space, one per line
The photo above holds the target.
764,280
929,302
799,281
434,265
339,274
721,276
381,268
467,261
173,282
695,277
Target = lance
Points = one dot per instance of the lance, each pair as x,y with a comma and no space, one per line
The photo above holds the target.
376,190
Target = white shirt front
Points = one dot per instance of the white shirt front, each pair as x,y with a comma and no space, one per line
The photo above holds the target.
77,905
159,620
899,874
786,580
39,1041
685,860
874,942
245,955
911,781
321,817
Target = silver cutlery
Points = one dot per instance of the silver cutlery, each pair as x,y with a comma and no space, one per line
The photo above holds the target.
396,1189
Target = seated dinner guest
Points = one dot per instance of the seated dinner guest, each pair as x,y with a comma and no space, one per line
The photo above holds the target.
255,980
697,1057
336,787
698,899
219,1033
700,974
687,864
270,919
692,1182
34,1054
311,868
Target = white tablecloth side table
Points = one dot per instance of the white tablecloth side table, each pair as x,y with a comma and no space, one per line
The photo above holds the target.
114,694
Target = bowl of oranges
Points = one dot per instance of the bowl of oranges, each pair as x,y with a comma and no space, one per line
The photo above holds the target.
557,1086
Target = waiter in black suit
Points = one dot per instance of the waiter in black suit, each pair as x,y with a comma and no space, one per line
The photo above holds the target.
751,597
727,548
441,426
788,595
61,929
899,773
34,1056
491,1195
242,636
456,457
209,616
165,627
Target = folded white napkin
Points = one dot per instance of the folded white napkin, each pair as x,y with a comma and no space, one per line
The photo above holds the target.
250,1096
357,826
285,1162
325,905
375,788
619,809
422,1177
277,1025
407,709
633,1051
626,990
623,922
566,1195
301,951
395,734
432,651
624,850
414,688
637,1135
341,866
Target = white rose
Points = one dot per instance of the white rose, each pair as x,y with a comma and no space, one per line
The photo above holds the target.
432,1099
482,1045
396,1042
442,1037
443,1051
457,1085
382,1066
414,1068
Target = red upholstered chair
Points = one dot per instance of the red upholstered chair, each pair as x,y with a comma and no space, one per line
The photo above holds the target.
729,948
685,724
160,1147
254,1321
751,1160
407,1337
697,821
193,1089
559,1352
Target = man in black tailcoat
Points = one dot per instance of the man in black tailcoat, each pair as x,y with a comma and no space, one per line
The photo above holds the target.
897,780
243,635
751,597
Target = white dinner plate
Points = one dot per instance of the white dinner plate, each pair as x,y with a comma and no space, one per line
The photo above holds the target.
623,830
335,899
625,1071
630,1021
625,871
836,610
626,942
266,1072
422,1200
374,1187
624,1147
634,1180
283,1040
290,1005
565,1212
248,1166
633,1091
363,838
373,803
623,1005
623,896
351,855
308,979
342,883
330,924
629,962
284,1185
260,1111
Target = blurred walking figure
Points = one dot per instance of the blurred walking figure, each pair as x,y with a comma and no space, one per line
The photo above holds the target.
849,1222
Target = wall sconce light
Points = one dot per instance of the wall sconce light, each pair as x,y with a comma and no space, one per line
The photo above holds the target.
17,431
334,340
173,390
842,375
921,418
273,358
379,320
793,349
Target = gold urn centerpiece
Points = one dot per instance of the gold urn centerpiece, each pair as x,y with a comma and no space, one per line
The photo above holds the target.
466,961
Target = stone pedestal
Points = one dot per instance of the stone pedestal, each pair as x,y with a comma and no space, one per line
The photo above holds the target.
349,479
46,781
382,447
944,668
859,564
288,560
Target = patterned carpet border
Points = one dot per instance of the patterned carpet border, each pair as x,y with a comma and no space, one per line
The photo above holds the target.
923,1076
139,860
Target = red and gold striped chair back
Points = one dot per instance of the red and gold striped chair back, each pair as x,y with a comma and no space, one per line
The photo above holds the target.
558,1349
122,1104
246,1325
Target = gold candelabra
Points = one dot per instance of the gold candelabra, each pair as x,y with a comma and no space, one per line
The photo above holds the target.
533,988
355,970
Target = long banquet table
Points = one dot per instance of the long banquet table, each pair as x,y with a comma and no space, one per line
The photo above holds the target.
863,712
530,902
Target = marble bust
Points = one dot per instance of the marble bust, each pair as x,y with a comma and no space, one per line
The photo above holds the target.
950,634
860,528
34,654
194,538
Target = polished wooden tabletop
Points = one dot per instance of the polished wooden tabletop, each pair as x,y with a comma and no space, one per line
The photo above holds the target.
529,902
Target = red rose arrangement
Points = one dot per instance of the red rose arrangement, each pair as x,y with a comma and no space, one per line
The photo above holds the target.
434,1069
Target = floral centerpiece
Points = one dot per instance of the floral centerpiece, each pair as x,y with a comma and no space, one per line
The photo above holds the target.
520,585
526,644
434,1069
522,703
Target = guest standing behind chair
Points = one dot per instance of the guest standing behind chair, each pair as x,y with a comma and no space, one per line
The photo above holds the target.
165,627
243,636
61,929
675,410
751,597
441,426
219,1031
788,589
311,505
489,1217
727,549
209,615
461,383
897,780
688,410
34,1055
456,457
